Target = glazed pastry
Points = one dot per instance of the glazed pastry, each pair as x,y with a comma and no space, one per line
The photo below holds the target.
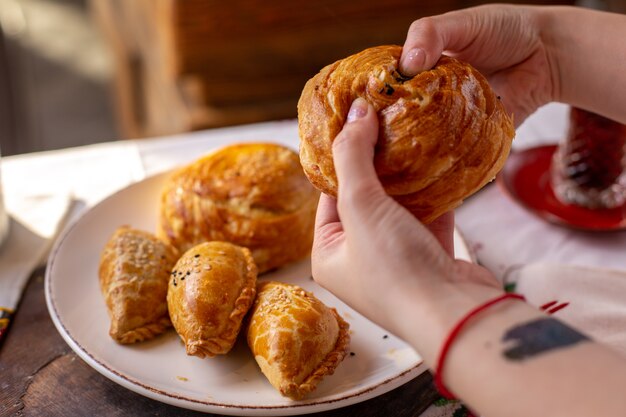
134,271
252,195
443,133
211,289
295,338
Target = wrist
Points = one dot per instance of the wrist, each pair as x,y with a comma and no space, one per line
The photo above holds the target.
434,311
583,49
548,22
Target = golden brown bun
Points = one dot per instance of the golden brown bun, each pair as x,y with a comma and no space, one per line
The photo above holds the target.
134,271
211,289
443,133
295,338
253,195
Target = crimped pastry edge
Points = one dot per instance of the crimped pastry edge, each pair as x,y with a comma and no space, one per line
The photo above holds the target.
326,367
142,333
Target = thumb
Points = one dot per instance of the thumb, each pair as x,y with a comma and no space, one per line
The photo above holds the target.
353,156
428,37
422,48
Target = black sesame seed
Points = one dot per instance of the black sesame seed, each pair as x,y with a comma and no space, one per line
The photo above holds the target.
197,255
385,337
352,353
499,98
400,77
188,272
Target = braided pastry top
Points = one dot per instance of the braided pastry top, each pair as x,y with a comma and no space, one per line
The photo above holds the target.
443,133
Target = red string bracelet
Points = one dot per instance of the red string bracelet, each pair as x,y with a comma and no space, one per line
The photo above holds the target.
455,332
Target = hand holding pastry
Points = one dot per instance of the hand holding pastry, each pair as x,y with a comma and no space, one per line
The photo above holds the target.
516,62
443,133
375,256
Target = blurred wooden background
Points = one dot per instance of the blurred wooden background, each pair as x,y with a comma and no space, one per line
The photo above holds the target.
155,67
183,65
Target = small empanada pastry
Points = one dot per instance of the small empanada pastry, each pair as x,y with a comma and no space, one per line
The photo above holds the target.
211,289
295,338
134,271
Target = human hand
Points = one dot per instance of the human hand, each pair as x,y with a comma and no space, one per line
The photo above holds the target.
503,42
374,254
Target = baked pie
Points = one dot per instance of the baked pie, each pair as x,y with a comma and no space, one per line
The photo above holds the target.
211,288
296,339
134,272
253,195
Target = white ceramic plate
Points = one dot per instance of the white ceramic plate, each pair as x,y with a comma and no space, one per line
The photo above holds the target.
160,369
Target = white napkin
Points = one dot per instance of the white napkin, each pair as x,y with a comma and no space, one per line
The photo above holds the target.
34,222
593,299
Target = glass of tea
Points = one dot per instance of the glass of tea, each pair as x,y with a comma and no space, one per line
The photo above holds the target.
589,166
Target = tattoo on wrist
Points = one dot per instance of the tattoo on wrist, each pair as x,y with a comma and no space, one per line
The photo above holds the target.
539,336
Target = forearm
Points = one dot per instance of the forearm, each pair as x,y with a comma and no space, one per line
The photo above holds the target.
588,55
513,360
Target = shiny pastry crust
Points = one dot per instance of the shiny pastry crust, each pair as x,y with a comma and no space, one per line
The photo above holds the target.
134,271
295,338
253,195
443,133
210,291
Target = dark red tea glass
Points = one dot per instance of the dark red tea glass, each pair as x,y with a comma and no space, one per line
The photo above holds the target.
588,168
581,182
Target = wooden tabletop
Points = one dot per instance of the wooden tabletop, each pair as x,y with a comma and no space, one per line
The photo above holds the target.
41,376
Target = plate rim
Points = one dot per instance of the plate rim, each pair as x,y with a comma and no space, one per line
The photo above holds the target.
297,407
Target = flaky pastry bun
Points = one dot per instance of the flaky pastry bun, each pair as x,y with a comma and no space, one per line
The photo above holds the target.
253,195
443,133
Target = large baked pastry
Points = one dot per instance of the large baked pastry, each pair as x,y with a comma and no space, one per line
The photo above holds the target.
210,291
134,271
254,195
443,133
295,338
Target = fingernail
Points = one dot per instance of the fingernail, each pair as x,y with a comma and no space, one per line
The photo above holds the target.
414,61
357,110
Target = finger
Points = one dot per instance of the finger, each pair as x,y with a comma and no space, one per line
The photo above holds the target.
328,230
326,212
353,156
428,37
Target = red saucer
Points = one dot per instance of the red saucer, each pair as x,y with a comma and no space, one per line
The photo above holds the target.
526,178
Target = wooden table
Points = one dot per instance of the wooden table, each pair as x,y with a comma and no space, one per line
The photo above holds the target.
41,376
